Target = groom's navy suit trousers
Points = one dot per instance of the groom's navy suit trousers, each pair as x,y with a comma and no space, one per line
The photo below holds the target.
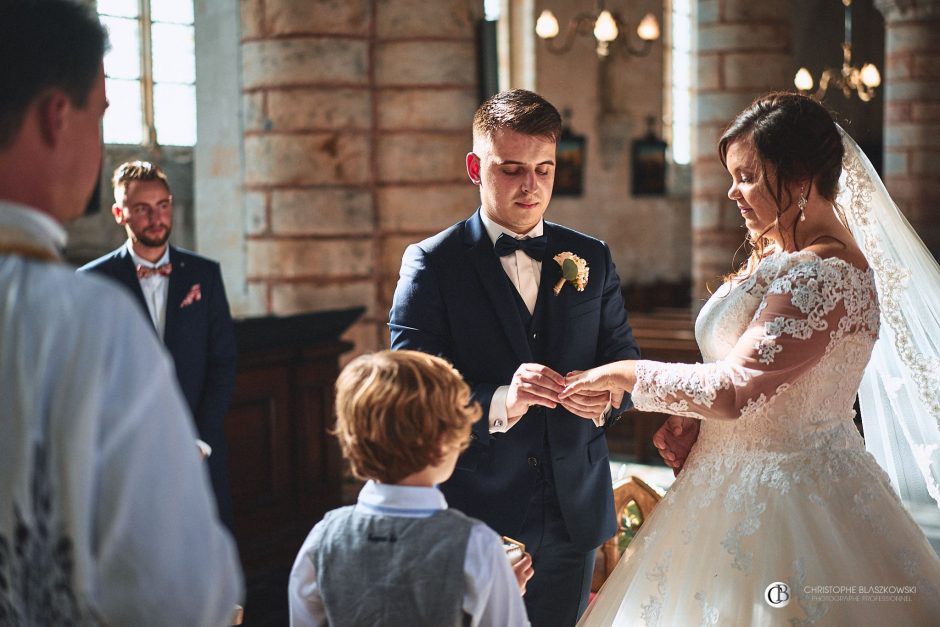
546,480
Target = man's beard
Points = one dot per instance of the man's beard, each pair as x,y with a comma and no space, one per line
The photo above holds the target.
154,242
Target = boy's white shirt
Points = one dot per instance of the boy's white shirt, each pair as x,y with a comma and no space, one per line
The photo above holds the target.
491,595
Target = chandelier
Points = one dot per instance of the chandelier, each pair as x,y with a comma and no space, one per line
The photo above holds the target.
606,28
849,78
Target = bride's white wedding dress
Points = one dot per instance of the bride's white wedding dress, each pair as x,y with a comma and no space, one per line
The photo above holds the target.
785,493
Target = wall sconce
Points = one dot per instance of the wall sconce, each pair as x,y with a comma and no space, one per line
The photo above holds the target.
849,78
604,26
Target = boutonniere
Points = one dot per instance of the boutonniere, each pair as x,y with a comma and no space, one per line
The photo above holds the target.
194,294
574,270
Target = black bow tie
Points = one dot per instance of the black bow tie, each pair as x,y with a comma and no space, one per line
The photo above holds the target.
532,246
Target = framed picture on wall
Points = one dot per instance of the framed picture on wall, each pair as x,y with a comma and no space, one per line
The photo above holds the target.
569,164
649,164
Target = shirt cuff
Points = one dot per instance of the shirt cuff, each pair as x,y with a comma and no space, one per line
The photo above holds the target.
498,420
601,420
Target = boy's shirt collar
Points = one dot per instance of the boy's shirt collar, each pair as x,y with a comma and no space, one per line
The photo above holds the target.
396,500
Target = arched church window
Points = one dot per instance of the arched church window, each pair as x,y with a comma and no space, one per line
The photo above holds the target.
150,72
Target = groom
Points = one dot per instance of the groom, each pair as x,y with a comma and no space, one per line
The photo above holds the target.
481,295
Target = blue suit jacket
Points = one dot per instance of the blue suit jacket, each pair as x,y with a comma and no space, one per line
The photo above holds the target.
201,339
453,300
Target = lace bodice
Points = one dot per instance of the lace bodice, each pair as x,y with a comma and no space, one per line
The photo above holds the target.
785,350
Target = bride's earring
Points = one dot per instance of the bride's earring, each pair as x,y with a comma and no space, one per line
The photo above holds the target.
801,203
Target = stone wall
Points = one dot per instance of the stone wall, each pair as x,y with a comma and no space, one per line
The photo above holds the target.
912,112
744,50
357,121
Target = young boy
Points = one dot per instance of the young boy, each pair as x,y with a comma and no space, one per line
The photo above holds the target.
399,556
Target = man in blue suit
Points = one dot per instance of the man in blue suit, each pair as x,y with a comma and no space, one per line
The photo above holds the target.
182,293
481,295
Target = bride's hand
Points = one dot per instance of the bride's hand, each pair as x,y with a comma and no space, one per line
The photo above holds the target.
674,440
589,405
614,378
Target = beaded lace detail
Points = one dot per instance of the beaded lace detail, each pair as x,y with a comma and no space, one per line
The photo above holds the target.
803,308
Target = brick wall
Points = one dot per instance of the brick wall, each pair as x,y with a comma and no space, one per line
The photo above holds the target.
356,122
744,50
912,112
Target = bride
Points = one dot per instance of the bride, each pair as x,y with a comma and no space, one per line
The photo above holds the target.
780,516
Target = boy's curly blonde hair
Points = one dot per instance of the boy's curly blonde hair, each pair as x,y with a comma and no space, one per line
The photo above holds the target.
397,410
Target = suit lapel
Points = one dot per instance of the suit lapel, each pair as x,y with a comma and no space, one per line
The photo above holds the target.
496,286
179,284
550,308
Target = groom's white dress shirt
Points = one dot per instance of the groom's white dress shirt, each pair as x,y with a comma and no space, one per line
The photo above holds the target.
525,274
96,447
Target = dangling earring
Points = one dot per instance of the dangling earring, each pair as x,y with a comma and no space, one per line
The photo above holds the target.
801,203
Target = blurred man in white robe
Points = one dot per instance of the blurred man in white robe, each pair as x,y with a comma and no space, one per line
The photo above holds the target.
106,516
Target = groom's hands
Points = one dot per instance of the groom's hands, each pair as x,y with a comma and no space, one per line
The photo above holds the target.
535,384
532,384
590,404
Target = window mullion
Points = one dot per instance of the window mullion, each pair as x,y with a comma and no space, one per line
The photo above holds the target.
146,72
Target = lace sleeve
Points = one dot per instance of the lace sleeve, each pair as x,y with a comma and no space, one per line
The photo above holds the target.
802,313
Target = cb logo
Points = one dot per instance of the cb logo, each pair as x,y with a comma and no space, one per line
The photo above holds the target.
777,594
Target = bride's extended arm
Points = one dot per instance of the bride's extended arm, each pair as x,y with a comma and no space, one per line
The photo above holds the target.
802,312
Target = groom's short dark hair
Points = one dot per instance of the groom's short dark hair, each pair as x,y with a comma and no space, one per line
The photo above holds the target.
46,44
518,110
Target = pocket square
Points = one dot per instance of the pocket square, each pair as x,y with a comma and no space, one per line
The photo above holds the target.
194,295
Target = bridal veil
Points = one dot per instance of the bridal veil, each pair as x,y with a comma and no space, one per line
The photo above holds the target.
900,392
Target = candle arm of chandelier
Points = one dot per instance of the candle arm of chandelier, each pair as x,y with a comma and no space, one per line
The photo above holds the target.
621,44
584,23
581,24
862,81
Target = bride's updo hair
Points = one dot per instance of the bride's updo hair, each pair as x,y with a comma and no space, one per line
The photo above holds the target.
796,139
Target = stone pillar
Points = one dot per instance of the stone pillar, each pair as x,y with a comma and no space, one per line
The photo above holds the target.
356,121
744,50
912,112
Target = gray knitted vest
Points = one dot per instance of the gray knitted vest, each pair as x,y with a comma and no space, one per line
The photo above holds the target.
392,571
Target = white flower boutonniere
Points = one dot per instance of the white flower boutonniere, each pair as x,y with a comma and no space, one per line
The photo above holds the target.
574,270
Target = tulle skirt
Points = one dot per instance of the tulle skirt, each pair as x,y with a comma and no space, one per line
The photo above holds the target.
808,538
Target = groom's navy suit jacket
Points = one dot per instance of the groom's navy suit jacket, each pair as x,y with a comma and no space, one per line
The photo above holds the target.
201,339
454,300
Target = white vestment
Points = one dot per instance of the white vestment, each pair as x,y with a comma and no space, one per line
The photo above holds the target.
106,514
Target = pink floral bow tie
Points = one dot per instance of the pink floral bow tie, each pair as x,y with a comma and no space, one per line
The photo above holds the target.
143,272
